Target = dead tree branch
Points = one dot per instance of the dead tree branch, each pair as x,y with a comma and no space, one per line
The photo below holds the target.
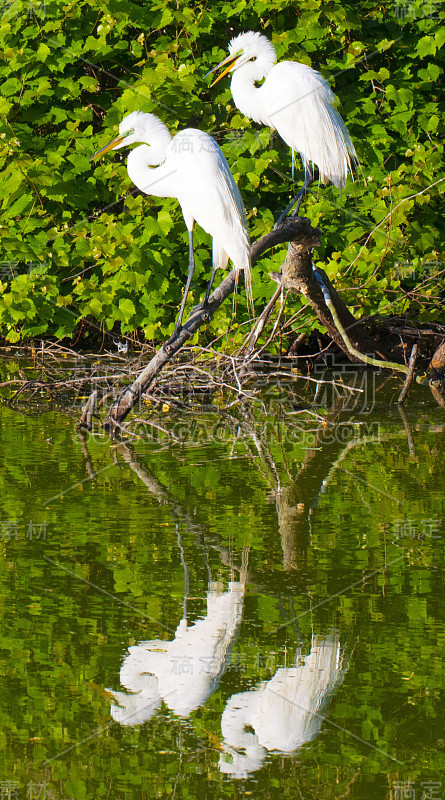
409,376
298,276
298,228
437,364
86,420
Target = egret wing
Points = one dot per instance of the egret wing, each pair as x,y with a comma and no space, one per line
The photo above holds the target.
300,107
208,193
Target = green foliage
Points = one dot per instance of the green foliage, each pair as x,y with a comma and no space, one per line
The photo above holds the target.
77,244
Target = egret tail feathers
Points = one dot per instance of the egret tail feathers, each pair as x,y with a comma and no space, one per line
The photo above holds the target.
220,261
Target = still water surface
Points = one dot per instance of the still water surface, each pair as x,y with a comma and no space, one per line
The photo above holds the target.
248,608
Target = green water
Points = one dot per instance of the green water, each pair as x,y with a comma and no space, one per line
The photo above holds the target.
307,559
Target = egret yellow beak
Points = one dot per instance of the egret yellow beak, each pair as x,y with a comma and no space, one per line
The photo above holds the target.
229,63
107,147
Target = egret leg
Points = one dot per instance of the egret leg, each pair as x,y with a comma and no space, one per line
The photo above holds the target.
308,179
205,302
178,325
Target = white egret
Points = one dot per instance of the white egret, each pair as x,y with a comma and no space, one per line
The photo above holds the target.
191,167
294,100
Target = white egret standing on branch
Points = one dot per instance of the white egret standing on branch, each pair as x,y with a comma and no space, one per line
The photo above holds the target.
294,100
191,167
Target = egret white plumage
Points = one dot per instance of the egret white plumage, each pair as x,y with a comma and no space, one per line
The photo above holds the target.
191,167
294,100
283,713
185,671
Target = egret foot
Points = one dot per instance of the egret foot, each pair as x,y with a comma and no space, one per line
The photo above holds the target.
203,306
286,212
298,200
169,342
308,179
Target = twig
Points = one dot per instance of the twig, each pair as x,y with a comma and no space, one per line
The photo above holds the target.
409,377
261,321
374,362
86,420
409,435
151,424
405,200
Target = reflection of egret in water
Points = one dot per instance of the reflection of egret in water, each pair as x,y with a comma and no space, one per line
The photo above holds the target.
183,672
284,713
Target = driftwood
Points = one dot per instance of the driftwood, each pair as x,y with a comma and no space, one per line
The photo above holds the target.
437,364
296,276
437,371
86,420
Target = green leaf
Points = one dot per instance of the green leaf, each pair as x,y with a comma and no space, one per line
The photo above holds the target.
43,52
126,309
426,46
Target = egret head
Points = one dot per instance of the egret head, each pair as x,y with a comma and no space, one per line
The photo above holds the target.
136,127
246,47
130,129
